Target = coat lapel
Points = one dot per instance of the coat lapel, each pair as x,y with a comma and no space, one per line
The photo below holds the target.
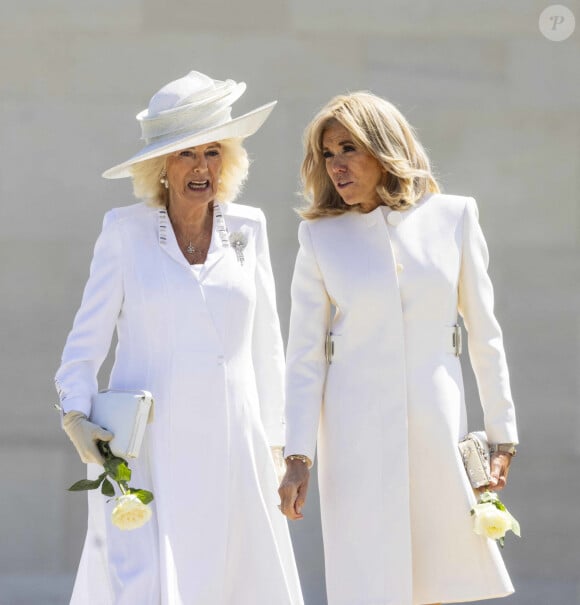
219,243
167,239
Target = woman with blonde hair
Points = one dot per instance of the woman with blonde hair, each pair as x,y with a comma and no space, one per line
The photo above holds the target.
386,264
184,278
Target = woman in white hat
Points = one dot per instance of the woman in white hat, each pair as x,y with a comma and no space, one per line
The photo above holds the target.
185,279
374,385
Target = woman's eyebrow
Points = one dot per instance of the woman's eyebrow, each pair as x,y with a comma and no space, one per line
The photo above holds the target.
345,142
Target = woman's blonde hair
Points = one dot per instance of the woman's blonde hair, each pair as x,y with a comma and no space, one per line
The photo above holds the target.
379,128
235,163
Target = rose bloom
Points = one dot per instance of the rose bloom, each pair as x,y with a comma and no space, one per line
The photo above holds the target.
490,521
130,512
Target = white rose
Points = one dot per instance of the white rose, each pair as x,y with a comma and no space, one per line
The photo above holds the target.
490,521
130,512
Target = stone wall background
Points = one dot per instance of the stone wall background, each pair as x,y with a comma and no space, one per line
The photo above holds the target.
495,103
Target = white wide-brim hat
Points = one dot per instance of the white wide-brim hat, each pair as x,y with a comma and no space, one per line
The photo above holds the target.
193,110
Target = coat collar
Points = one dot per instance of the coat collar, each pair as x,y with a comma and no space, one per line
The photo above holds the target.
393,217
371,218
382,213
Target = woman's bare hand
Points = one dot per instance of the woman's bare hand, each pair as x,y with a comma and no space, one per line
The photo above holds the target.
500,465
293,489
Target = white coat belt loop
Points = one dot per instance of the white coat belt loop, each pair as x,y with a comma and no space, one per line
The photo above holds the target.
456,340
329,347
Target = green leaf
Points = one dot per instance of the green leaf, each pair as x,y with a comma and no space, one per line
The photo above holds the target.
112,463
107,488
117,469
87,484
142,494
516,527
123,472
501,542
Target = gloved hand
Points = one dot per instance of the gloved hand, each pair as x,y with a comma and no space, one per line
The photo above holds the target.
279,462
84,435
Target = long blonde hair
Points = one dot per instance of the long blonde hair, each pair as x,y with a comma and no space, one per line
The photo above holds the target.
381,129
234,172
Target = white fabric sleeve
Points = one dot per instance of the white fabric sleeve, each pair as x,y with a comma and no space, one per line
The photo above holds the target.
486,350
267,346
306,361
89,341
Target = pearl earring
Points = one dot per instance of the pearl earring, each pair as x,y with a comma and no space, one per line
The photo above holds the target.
163,179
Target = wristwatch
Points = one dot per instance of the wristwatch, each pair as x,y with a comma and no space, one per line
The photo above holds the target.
506,448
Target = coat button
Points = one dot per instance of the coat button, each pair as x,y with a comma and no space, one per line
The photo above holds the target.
400,268
394,217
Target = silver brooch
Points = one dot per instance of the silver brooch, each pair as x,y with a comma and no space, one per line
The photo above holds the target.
238,242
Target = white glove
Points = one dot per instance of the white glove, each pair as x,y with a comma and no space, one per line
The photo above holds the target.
279,462
84,435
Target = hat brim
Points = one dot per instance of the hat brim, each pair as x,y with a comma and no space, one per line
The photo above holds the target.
240,127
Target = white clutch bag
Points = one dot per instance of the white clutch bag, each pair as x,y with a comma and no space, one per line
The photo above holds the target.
474,449
126,414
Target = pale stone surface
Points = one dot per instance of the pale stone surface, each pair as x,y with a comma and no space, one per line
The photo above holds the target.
59,147
544,75
503,159
215,15
495,103
67,16
421,17
446,73
35,589
32,518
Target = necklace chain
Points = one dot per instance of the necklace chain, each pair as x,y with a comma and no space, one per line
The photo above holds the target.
201,244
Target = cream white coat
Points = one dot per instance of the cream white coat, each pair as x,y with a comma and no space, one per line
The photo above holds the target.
390,409
209,349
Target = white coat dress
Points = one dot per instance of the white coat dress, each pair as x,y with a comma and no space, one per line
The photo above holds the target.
390,409
209,349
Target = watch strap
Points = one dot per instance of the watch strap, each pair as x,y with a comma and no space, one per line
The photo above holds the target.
506,448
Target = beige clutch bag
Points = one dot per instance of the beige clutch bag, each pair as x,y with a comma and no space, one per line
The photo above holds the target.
126,414
474,449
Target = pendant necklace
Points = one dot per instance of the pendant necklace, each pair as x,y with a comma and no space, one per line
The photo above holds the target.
192,250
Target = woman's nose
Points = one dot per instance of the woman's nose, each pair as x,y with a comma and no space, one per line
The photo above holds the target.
199,164
337,164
